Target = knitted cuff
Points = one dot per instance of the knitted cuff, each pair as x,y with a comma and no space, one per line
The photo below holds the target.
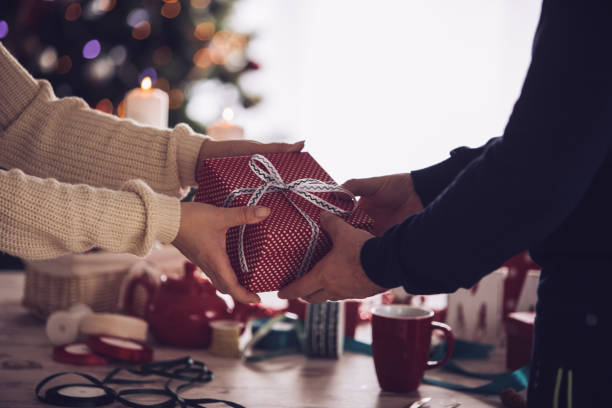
188,146
169,218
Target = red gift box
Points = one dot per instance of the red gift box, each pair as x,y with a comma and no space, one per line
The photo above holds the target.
519,329
273,253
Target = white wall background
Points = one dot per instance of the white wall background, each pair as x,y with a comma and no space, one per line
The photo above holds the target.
379,87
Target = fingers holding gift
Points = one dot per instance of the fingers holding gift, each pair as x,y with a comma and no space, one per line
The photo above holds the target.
323,296
223,277
364,187
235,216
226,148
303,287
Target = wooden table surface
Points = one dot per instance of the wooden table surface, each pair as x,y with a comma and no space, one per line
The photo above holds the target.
291,381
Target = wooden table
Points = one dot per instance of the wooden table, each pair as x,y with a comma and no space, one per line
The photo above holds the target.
292,381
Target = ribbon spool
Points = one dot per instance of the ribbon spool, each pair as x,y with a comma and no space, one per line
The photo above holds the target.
121,348
94,394
77,353
324,330
282,334
63,326
114,325
225,340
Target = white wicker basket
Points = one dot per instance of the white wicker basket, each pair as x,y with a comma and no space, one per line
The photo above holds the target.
93,278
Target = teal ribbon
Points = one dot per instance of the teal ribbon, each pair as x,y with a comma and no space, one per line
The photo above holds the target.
516,380
498,382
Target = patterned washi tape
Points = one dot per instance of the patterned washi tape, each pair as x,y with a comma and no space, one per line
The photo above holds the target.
325,330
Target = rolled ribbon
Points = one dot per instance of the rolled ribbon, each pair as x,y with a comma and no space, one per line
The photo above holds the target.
78,354
324,330
274,183
114,325
120,348
63,326
225,340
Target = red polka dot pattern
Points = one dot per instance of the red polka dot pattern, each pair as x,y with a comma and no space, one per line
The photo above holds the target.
274,248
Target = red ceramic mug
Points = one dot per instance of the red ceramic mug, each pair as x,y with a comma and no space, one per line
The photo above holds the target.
401,338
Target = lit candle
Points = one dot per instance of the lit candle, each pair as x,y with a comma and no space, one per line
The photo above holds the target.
147,105
224,130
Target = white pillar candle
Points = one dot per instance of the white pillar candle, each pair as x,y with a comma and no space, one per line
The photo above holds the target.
147,105
224,129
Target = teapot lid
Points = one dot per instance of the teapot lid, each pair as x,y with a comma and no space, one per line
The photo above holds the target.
192,280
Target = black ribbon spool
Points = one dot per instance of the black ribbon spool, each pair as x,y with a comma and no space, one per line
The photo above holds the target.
54,396
169,403
197,403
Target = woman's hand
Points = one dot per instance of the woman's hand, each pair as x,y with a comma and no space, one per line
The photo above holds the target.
389,200
201,238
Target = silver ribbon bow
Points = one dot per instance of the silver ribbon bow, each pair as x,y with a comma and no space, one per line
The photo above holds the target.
273,183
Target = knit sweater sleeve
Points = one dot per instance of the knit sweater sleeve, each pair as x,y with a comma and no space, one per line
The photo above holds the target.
44,218
65,139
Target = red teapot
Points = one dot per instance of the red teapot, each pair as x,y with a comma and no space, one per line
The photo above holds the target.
180,310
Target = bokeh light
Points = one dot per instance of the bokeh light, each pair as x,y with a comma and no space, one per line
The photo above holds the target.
47,60
200,4
171,10
97,8
105,105
102,69
64,65
148,72
106,5
121,109
162,55
220,47
73,12
3,28
142,30
176,98
239,41
92,49
118,54
204,31
235,61
202,57
137,16
163,84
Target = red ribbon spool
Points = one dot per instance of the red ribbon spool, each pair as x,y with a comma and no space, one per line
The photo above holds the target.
78,354
121,349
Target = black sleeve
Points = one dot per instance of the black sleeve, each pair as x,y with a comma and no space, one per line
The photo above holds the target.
557,137
431,181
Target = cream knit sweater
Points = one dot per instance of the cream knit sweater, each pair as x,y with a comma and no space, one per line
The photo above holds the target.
77,178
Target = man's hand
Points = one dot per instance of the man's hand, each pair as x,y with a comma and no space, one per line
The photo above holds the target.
339,274
389,200
201,238
226,148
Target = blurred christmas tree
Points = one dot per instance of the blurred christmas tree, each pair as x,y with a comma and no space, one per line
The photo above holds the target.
100,49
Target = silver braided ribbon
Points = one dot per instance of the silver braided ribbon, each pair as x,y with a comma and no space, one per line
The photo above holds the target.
273,183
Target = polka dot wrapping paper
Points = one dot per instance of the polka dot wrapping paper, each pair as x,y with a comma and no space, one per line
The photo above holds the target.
275,248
